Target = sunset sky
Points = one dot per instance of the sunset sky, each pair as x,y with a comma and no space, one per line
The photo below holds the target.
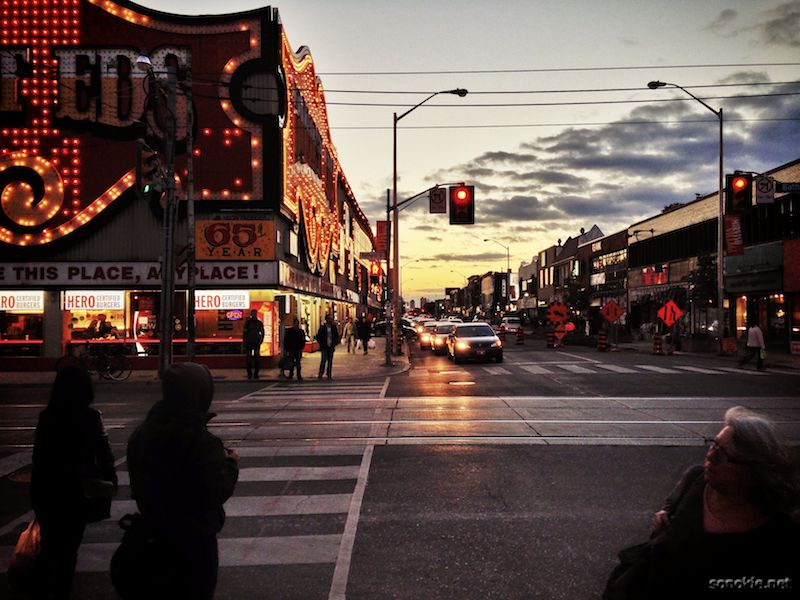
559,130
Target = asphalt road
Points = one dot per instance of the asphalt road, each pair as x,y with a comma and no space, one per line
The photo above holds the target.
514,480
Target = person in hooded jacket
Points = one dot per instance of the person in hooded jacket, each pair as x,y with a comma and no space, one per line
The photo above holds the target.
70,444
181,475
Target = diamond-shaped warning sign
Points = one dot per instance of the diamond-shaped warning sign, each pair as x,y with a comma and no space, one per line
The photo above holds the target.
558,313
670,313
611,311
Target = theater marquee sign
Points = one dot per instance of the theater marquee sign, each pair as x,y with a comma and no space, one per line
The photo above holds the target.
73,103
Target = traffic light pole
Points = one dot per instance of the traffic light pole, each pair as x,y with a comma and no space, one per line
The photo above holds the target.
191,326
388,349
168,257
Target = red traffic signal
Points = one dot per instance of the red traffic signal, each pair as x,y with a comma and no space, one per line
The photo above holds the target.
739,191
462,205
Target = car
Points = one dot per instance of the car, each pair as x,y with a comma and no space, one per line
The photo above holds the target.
426,337
455,319
438,337
510,324
419,326
379,328
474,340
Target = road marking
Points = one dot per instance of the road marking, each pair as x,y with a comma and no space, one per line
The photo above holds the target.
415,372
742,371
345,554
616,368
497,371
577,369
698,370
385,387
537,370
656,369
579,356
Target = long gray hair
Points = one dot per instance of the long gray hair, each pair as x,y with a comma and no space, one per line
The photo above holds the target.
760,445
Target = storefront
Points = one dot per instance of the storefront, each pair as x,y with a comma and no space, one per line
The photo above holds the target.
277,226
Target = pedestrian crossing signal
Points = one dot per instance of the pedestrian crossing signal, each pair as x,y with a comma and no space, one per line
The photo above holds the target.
462,205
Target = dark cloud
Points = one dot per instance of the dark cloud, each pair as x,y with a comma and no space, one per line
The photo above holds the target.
516,208
782,26
723,22
480,257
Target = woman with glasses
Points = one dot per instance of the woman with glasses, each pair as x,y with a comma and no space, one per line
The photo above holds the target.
731,527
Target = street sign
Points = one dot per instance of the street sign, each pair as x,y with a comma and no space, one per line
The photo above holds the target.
670,313
558,313
560,331
438,204
372,256
765,190
787,187
382,236
611,311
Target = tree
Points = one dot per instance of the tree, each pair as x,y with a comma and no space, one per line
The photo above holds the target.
702,281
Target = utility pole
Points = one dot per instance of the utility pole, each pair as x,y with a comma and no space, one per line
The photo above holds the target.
168,257
387,304
190,218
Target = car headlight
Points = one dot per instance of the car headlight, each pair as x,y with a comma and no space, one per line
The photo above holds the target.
425,337
439,341
497,344
462,346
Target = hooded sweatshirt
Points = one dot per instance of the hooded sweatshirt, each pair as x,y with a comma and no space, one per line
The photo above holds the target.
180,474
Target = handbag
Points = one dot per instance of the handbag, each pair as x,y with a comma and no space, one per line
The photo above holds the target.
22,566
371,344
762,353
139,565
97,494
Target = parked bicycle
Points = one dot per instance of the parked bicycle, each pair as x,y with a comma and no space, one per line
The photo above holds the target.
96,359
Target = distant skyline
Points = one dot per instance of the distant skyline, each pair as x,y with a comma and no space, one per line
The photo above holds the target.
573,137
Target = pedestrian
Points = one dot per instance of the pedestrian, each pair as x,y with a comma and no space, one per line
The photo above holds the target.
70,445
328,338
755,346
348,334
252,336
294,342
732,519
363,332
181,475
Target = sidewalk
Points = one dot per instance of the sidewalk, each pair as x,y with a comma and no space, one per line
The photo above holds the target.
345,367
774,359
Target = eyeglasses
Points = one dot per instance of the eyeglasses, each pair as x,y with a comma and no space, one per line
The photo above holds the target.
712,444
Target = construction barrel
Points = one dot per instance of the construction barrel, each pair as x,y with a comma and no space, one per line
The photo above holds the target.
658,345
520,336
602,340
551,339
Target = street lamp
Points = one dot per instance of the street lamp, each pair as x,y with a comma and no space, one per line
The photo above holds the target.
508,252
166,310
461,92
721,212
466,288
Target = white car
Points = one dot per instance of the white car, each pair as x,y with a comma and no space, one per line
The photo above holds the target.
510,324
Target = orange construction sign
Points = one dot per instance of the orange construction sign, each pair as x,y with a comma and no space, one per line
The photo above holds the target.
558,313
611,311
670,313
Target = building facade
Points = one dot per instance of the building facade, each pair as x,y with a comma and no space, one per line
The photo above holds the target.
278,228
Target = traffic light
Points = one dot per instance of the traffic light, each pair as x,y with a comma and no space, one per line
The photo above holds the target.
462,205
375,273
739,191
148,167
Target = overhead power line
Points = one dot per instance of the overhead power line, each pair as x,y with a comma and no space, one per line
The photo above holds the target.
561,69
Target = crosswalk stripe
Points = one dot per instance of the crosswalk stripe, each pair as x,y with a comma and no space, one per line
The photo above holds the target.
742,371
263,506
497,371
537,370
616,368
698,370
237,552
656,369
418,372
576,369
282,474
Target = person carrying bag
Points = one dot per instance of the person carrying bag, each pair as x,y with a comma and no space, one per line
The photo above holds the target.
72,480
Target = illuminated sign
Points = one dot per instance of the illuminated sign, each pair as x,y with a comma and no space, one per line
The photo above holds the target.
93,300
222,300
22,301
73,103
235,240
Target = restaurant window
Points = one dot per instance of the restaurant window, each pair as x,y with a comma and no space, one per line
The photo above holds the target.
94,314
21,322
